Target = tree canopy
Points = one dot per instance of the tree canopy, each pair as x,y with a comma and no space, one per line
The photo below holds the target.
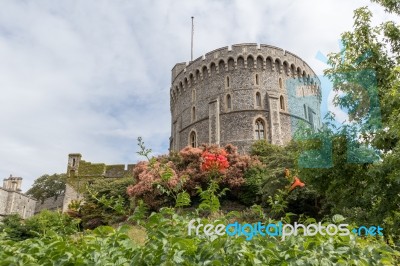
48,186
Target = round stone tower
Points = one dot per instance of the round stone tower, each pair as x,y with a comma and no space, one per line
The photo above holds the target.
241,94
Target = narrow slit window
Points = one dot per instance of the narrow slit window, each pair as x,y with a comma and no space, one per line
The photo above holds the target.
227,82
193,113
282,102
228,101
257,82
258,99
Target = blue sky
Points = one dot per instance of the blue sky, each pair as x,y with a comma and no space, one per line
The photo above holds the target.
91,76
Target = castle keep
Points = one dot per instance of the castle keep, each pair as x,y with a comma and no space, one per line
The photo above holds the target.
240,94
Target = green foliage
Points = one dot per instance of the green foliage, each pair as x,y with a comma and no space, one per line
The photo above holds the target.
106,202
275,159
143,150
168,243
91,170
278,203
140,213
390,5
13,228
251,192
47,222
40,225
182,199
47,186
368,192
103,246
210,197
267,183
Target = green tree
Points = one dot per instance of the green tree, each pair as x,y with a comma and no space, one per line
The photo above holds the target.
48,186
390,5
376,48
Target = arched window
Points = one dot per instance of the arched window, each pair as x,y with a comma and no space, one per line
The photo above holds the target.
193,139
227,82
258,99
282,102
260,129
280,83
193,113
228,101
257,81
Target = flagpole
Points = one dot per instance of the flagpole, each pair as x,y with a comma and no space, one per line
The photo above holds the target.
191,46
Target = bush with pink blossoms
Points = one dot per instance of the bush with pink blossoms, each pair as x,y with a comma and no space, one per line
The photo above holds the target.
188,171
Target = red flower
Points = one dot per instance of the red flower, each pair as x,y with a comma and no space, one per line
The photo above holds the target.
296,183
214,161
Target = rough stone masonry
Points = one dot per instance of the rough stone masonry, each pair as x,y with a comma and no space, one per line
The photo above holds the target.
240,94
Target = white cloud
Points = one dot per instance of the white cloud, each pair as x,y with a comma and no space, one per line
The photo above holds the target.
92,76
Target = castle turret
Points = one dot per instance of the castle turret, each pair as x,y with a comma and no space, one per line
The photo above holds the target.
12,183
73,164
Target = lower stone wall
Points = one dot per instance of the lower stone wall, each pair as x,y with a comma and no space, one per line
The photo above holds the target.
3,201
70,194
15,202
53,204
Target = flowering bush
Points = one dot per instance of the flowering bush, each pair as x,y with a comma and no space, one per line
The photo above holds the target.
190,169
151,178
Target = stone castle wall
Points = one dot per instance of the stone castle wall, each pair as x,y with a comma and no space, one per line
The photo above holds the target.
219,97
81,173
16,202
52,204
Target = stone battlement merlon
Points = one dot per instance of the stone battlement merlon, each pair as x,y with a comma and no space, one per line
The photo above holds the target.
184,75
225,50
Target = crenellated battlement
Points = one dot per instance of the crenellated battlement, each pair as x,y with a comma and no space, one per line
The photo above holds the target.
247,55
